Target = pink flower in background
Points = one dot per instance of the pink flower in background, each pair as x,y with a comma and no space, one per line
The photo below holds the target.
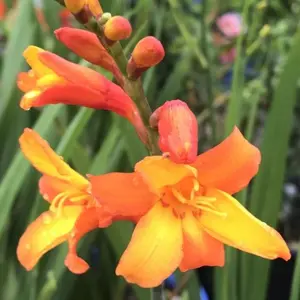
230,24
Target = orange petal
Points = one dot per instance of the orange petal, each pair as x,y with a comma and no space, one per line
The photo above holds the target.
50,187
230,165
45,233
155,249
31,55
75,6
178,131
26,81
159,172
95,7
240,229
123,194
46,161
199,248
90,219
93,51
77,74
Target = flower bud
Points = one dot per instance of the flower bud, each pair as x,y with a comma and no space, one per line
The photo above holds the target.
178,131
117,28
147,53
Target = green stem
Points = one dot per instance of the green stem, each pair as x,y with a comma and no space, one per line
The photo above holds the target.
157,293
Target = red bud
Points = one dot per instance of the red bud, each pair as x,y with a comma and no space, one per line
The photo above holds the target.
178,131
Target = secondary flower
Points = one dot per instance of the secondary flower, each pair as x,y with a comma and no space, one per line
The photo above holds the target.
72,213
77,6
53,80
188,212
92,51
178,131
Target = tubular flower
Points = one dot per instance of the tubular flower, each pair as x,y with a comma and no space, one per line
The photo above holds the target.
77,6
72,213
188,212
93,51
178,131
53,80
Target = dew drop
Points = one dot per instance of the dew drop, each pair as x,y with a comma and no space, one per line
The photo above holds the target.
47,219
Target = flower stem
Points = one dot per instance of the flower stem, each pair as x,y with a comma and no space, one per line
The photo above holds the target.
157,293
133,88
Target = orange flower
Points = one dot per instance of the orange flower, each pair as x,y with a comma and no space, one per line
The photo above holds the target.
178,131
3,9
55,80
72,213
86,45
76,6
188,212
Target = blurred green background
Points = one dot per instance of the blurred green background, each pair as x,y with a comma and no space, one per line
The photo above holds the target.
257,90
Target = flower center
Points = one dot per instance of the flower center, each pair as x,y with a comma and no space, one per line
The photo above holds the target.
75,197
189,195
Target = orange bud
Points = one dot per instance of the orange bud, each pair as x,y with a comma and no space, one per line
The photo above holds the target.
117,28
178,131
148,52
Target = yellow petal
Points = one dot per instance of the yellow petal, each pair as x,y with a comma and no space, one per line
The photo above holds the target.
45,233
199,248
155,249
159,172
31,56
240,229
45,160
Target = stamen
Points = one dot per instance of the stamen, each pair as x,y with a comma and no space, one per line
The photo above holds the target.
178,196
192,169
204,198
196,185
215,212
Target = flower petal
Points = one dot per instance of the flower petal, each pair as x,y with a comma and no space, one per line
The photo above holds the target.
199,248
93,51
230,165
77,74
31,54
178,131
46,161
158,172
155,249
50,187
45,233
123,194
240,229
90,219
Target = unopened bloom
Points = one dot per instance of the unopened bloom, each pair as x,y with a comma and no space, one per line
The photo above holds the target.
71,205
117,28
189,212
230,24
147,53
76,6
53,80
178,131
86,45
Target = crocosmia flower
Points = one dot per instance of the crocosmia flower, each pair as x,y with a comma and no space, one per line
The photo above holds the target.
188,213
53,80
73,211
178,131
76,6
